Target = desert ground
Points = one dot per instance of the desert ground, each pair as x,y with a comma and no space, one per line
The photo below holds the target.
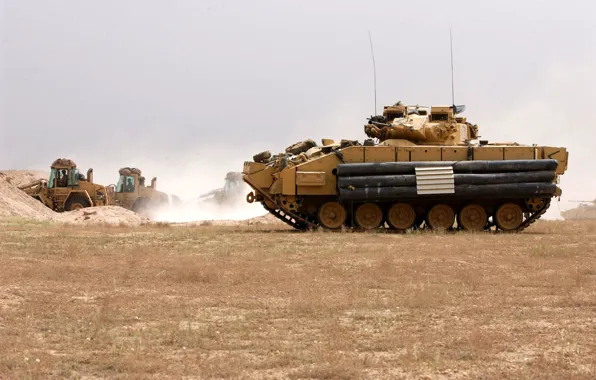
108,295
262,301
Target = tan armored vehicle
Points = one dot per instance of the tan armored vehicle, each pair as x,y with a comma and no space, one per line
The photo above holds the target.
585,211
67,189
231,191
131,192
423,167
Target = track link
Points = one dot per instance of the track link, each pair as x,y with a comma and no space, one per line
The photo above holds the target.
302,224
534,217
290,219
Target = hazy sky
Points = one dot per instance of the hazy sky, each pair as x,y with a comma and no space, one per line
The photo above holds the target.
187,89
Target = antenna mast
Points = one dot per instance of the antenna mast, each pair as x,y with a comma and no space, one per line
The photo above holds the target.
452,86
374,70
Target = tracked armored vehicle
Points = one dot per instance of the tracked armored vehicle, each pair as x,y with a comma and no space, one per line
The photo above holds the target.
422,167
585,211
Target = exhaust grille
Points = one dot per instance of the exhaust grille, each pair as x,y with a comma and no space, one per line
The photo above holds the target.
435,180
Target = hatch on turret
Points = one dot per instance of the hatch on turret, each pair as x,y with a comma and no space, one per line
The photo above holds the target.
441,113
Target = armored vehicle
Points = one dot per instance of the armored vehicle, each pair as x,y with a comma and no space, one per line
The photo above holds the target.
421,167
586,210
66,189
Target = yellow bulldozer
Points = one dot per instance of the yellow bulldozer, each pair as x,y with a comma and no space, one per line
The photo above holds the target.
67,189
131,193
229,193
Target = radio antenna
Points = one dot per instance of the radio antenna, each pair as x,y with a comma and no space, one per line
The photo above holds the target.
452,85
374,70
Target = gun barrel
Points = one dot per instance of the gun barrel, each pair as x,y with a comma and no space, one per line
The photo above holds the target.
376,123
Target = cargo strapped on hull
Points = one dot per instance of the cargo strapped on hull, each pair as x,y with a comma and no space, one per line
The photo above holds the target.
478,166
389,181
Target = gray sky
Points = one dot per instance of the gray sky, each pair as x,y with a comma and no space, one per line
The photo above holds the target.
187,90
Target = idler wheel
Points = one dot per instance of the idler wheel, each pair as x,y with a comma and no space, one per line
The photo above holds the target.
535,204
509,216
401,216
368,216
472,218
332,215
441,217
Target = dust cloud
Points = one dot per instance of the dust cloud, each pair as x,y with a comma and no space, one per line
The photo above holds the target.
197,210
189,178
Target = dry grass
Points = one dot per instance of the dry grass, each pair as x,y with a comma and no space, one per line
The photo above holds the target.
226,302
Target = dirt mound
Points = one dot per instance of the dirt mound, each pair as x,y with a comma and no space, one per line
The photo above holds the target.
265,219
22,177
14,202
114,215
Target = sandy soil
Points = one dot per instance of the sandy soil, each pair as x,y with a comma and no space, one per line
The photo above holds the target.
256,302
110,215
22,177
15,203
267,220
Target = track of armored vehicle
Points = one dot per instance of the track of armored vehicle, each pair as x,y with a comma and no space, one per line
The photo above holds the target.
422,167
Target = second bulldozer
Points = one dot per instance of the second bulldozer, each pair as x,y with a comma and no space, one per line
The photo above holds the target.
66,189
422,167
131,192
231,192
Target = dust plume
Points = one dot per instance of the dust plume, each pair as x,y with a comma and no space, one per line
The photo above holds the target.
208,209
195,182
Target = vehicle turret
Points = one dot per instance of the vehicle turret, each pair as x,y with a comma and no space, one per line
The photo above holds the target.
418,125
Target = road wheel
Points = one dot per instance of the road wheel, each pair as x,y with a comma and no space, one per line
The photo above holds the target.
76,202
368,216
401,216
472,217
332,215
509,216
440,217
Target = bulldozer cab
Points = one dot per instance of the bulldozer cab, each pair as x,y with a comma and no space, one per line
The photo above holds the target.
127,184
233,183
63,177
230,186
